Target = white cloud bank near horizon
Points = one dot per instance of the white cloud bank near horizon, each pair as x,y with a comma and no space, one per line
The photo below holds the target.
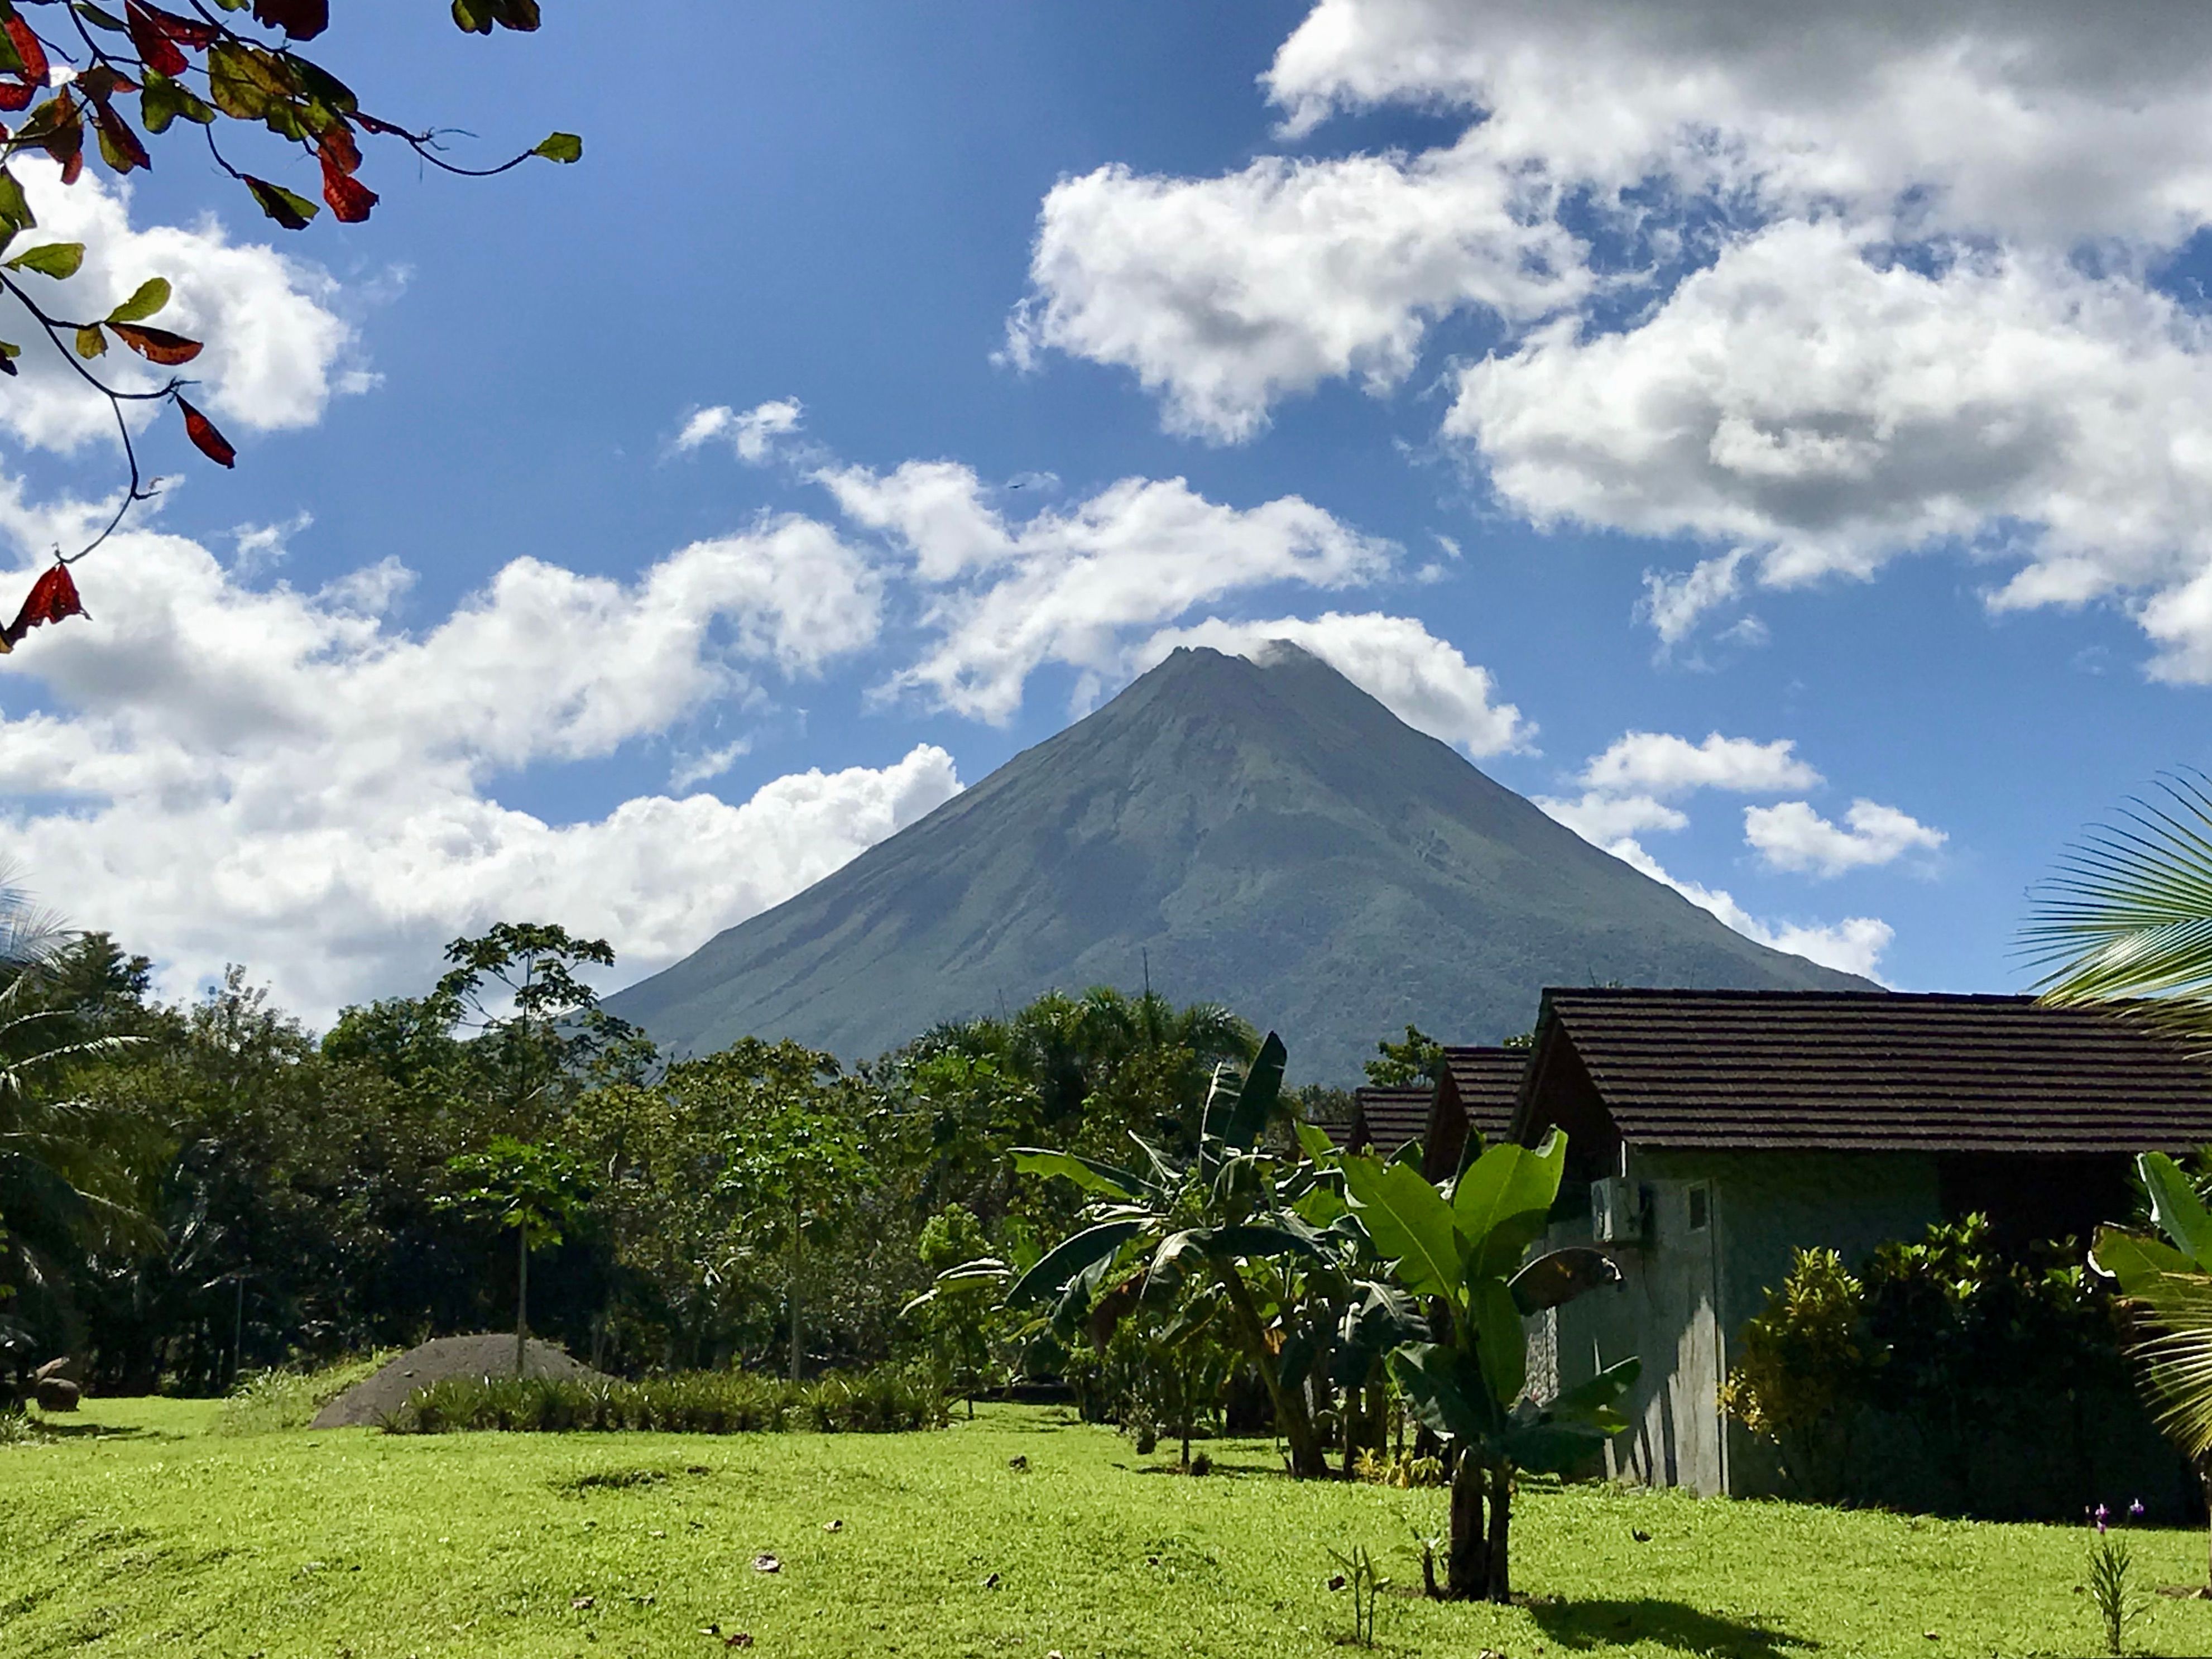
1842,284
1630,790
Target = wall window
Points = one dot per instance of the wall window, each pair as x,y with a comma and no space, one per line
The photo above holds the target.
1701,1208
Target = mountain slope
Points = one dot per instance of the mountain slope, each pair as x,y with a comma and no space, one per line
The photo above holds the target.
1268,834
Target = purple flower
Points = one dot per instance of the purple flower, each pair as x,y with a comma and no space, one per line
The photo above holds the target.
2103,1515
2135,1508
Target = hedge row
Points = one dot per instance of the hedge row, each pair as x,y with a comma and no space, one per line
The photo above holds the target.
889,1399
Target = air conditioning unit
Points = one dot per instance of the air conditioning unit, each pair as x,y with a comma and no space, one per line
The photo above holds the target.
1616,1212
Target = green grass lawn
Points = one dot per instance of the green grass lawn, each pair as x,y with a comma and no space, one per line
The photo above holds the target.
143,1534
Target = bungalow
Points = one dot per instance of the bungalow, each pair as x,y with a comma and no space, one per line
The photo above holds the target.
1475,1092
1713,1133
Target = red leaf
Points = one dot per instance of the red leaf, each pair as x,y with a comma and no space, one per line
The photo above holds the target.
28,48
118,143
350,198
205,439
339,148
152,41
62,137
17,95
183,30
157,344
53,597
303,20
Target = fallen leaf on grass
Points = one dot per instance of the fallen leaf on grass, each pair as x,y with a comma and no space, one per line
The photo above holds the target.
766,1563
660,1531
992,1582
737,1639
582,1603
833,1525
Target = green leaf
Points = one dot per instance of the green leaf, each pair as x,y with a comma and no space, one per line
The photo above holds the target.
1260,1238
1069,1258
91,342
1593,1401
1502,1204
99,19
1087,1173
1447,1399
1411,1225
1320,1206
165,100
563,147
15,208
474,16
152,295
244,81
2176,1209
1256,1097
1558,1277
1500,1342
2132,1261
288,208
1314,1142
59,260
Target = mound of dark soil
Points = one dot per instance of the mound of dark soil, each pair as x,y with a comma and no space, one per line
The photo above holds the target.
367,1403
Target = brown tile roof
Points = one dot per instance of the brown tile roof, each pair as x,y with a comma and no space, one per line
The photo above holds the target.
1394,1116
1875,1071
1488,1084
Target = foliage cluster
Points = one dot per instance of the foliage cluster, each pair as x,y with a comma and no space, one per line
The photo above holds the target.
284,1397
198,1192
887,1399
1938,1374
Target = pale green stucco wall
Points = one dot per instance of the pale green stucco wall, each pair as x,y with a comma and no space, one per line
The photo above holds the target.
1686,1293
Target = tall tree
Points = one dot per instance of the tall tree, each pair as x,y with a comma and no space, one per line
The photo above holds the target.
536,1021
535,1192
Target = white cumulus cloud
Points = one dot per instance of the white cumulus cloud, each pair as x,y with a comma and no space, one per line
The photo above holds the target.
1603,820
221,772
751,435
1226,293
1791,835
1002,596
1422,679
1853,946
1660,764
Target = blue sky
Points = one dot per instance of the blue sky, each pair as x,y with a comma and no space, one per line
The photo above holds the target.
1470,332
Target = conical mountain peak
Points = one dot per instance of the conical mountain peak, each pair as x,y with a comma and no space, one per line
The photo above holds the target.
1262,831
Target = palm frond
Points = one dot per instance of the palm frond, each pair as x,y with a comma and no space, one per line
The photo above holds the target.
2126,920
2177,1361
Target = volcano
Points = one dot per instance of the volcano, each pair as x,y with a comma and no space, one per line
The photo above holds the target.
1256,832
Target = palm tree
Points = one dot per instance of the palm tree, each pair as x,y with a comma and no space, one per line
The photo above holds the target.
2127,924
66,1184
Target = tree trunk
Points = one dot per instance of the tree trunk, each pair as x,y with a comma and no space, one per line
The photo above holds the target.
1467,1554
794,1299
521,1294
1500,1586
1309,1457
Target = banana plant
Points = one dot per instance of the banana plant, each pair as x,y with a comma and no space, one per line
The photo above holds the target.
1461,1247
2170,1283
1213,1215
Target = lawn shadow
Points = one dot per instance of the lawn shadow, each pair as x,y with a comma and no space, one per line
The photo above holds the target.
1580,1625
50,1430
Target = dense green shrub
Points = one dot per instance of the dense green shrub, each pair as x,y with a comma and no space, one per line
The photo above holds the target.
1945,1374
888,1400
